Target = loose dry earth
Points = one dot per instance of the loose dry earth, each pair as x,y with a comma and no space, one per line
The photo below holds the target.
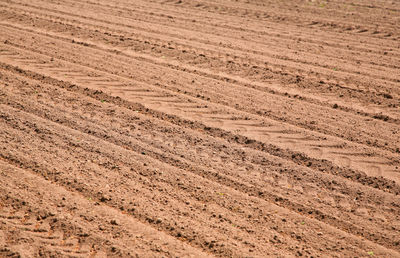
200,128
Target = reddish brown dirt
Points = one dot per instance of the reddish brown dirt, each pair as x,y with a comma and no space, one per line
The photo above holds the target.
200,128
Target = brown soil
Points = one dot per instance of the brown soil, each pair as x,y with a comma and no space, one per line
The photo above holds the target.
199,128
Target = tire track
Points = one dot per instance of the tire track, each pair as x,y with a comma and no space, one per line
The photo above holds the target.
178,89
278,140
241,139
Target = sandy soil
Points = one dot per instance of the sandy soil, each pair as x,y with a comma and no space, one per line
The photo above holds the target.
199,128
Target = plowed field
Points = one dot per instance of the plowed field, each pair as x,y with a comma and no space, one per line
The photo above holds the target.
191,128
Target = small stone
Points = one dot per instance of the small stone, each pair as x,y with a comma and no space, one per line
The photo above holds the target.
114,222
